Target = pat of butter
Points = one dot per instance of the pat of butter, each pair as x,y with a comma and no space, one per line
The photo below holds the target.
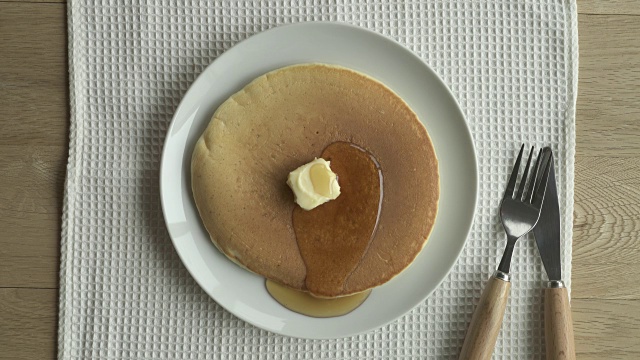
314,184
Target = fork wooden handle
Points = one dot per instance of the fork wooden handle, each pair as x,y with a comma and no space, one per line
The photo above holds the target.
486,321
558,325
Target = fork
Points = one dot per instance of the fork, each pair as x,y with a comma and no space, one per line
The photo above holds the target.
519,212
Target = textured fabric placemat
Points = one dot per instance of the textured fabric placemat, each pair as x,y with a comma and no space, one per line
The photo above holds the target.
125,294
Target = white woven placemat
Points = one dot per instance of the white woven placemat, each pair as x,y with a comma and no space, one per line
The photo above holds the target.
125,294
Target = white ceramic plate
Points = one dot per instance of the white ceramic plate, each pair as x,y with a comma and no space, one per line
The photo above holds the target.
243,293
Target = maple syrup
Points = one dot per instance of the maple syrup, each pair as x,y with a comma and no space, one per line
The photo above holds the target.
306,304
334,237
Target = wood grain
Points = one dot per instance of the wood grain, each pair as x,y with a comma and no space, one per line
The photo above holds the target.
606,329
606,242
35,1
609,7
607,184
481,336
606,218
34,121
33,68
558,325
609,74
31,189
33,141
28,323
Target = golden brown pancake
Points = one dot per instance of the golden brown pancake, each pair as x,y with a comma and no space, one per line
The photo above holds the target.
285,119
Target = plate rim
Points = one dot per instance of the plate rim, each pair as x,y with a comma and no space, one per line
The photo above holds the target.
348,27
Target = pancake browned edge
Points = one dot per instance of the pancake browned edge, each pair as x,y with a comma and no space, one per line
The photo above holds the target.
284,119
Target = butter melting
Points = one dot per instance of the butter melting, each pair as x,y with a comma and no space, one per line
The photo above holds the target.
313,184
321,180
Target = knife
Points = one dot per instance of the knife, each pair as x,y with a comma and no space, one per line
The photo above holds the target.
558,325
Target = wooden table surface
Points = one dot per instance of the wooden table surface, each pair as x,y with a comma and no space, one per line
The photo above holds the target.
34,118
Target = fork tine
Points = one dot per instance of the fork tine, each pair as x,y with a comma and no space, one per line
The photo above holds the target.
523,181
538,196
535,179
514,175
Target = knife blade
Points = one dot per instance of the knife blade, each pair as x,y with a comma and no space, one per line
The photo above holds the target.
547,230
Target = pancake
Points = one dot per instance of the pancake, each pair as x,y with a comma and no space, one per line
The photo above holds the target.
286,118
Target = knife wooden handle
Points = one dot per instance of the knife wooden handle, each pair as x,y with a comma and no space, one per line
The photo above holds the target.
486,321
558,325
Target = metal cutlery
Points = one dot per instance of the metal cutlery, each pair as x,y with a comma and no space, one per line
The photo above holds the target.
519,212
557,313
